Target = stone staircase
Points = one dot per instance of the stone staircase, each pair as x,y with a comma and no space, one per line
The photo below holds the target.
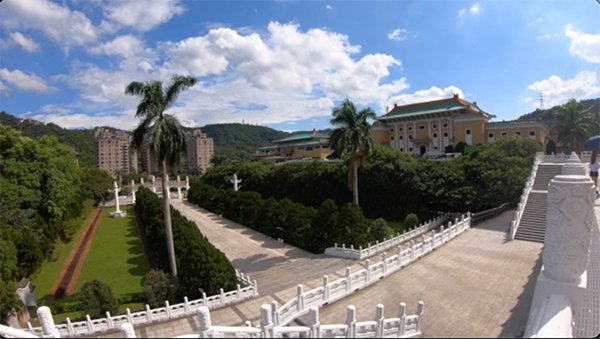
533,222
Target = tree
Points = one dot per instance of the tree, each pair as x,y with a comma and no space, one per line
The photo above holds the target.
95,298
158,287
323,225
163,132
353,137
572,124
8,273
379,229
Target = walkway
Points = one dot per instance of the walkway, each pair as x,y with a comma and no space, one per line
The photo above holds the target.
476,285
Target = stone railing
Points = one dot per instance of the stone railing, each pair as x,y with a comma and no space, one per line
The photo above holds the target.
514,224
9,332
247,289
403,326
560,305
489,213
352,282
379,247
584,156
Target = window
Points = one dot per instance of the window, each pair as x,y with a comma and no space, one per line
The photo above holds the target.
391,138
491,135
435,147
401,149
410,149
445,135
401,138
309,148
531,133
421,127
410,137
468,132
400,129
445,125
435,135
518,133
504,134
434,126
410,128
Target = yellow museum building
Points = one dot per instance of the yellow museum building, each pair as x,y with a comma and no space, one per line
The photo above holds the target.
427,128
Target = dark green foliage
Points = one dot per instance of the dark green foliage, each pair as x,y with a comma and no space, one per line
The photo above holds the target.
411,220
8,274
96,184
96,298
323,225
201,267
550,147
158,287
237,142
460,147
351,227
82,141
379,229
8,300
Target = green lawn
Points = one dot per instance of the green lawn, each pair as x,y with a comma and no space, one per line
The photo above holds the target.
116,256
45,277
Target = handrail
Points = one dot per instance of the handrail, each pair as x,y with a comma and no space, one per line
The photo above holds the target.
110,323
514,224
330,292
486,214
379,247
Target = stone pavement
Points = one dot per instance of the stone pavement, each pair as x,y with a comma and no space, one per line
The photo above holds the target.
476,285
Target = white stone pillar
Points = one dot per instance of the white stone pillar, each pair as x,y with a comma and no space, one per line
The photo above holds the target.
116,190
133,191
142,181
168,193
187,183
569,221
179,189
236,182
48,328
127,331
573,166
266,321
204,321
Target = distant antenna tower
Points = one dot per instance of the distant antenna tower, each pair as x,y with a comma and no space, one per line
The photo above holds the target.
542,101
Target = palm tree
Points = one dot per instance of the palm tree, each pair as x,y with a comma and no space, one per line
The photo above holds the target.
163,133
572,124
353,137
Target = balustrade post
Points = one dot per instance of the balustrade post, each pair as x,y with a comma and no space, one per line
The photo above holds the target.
402,322
239,292
148,313
398,254
300,297
204,322
432,239
412,250
313,322
49,330
352,247
255,289
325,288
379,318
351,321
348,279
420,315
275,311
222,296
384,261
442,234
204,299
368,269
88,322
129,317
109,320
127,331
168,309
186,305
266,321
70,328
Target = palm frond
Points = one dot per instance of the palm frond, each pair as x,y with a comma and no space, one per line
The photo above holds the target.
177,85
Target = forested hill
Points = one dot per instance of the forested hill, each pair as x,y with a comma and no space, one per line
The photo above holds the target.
240,141
234,141
82,141
546,114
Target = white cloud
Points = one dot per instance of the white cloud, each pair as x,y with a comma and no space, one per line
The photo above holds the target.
3,88
534,22
556,91
398,34
77,120
124,46
474,10
59,23
328,7
25,82
584,45
26,43
433,93
140,15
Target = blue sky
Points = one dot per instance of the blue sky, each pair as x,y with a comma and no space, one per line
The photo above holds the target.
286,64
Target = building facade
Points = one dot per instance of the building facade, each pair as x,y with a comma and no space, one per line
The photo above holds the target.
200,149
303,145
428,128
113,151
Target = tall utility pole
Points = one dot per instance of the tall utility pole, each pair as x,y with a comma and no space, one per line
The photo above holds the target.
542,100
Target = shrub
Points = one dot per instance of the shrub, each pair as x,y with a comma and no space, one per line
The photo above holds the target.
95,298
158,287
411,220
379,229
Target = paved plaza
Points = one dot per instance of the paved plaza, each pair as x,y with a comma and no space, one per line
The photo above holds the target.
477,285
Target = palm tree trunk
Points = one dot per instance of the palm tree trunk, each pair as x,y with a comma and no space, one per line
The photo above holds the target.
355,181
167,216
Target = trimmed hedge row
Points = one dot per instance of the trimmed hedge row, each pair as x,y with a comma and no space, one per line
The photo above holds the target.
200,266
304,227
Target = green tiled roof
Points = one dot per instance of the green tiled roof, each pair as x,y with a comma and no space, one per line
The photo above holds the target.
303,136
433,106
304,144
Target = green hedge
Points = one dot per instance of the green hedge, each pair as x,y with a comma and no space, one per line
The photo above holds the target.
304,227
200,266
